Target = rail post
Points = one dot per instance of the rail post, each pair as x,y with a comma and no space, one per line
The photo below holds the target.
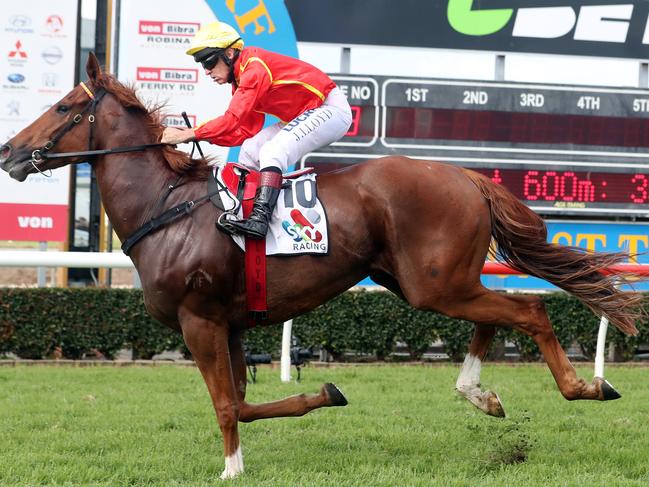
285,361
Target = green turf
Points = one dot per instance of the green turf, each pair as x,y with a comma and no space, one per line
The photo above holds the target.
403,426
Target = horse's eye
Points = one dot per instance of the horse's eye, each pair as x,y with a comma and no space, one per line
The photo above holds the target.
62,109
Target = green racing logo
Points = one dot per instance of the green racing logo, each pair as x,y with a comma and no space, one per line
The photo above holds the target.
471,22
599,23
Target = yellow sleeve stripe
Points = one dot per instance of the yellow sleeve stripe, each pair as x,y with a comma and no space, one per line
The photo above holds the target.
270,75
312,89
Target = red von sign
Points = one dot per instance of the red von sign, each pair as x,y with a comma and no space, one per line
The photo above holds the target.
26,222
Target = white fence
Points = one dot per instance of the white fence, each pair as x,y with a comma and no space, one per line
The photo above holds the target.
34,258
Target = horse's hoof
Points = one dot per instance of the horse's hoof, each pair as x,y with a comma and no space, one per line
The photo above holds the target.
336,398
493,405
608,392
488,402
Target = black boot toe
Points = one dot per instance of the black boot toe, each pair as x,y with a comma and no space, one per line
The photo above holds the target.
250,228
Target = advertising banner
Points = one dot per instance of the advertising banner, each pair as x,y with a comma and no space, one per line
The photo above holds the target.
153,38
581,27
39,49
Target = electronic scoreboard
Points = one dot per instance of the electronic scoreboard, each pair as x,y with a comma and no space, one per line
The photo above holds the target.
560,149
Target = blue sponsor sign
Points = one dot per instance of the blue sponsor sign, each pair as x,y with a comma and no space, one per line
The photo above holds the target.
601,237
261,23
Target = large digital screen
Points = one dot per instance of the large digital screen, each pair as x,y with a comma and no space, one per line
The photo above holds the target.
560,149
515,127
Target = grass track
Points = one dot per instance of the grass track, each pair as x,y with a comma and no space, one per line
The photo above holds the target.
404,426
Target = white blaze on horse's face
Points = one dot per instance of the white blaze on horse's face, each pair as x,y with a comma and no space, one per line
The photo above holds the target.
233,465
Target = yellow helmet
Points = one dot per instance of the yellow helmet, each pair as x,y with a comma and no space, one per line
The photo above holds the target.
217,35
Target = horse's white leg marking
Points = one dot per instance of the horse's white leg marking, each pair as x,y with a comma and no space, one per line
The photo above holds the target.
469,378
233,465
468,385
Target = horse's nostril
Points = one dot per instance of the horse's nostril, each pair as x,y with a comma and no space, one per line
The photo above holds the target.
5,152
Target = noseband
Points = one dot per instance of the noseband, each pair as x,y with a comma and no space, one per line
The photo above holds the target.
41,155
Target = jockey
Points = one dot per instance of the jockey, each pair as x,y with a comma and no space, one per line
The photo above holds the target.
313,112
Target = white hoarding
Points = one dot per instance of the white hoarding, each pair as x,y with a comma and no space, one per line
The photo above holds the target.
38,39
153,38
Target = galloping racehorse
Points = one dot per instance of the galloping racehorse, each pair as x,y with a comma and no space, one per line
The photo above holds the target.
420,229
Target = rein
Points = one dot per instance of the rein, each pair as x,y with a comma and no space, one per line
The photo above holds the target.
42,154
170,215
99,152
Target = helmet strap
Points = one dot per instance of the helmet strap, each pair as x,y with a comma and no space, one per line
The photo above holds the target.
230,63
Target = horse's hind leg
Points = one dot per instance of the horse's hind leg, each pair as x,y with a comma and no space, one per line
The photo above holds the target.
468,382
527,315
297,405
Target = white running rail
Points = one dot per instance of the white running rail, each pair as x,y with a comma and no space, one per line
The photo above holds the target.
35,258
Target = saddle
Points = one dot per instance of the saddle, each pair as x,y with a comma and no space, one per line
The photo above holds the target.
243,182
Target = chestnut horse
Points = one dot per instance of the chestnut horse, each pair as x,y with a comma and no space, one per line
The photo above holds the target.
420,229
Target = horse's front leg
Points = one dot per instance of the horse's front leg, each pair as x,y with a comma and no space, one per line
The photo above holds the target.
207,340
297,405
468,382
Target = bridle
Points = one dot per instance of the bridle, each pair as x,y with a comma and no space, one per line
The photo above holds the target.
41,155
166,217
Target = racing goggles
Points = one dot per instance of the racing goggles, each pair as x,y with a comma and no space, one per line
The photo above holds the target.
210,59
209,56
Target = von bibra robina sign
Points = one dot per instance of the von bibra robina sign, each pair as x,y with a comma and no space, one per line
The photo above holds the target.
38,51
154,35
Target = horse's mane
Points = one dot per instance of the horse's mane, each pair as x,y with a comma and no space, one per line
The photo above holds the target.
178,161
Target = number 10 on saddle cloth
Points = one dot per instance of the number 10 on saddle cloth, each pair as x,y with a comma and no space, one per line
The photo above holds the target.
298,224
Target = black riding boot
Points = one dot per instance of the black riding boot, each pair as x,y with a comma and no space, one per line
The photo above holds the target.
256,225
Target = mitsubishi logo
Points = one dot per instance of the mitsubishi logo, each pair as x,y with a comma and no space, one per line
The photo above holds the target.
18,51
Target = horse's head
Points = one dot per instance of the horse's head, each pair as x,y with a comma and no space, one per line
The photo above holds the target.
65,127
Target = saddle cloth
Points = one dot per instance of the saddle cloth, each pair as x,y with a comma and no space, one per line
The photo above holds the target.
298,224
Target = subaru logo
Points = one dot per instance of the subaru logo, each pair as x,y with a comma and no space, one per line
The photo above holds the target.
16,78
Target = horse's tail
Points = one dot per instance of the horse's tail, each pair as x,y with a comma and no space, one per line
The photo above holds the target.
522,242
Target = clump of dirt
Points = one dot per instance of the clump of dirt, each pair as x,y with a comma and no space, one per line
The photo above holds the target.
512,444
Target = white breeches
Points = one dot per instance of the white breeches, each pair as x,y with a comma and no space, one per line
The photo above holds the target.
281,145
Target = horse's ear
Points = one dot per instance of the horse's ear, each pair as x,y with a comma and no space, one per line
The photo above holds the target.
92,67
